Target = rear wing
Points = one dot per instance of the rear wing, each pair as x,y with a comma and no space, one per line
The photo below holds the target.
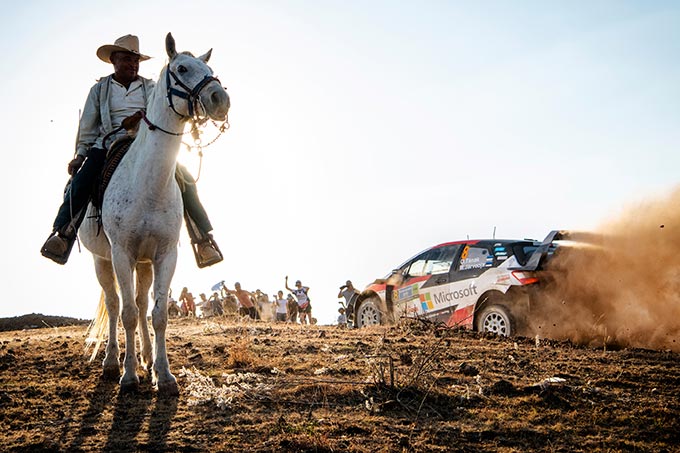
539,256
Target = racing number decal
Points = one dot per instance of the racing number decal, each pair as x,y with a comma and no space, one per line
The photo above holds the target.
464,255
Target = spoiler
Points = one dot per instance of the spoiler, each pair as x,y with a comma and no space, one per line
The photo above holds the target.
539,255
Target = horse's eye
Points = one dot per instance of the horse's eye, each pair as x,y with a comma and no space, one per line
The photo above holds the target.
181,69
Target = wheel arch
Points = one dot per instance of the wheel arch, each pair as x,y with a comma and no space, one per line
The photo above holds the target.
513,300
489,297
368,294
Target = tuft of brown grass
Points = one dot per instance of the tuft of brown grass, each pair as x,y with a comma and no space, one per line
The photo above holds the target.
241,353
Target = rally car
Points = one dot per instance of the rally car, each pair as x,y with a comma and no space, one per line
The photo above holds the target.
479,284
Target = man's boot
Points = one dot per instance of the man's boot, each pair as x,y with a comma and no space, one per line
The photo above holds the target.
204,246
58,246
207,252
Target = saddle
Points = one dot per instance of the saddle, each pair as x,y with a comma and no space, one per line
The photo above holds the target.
114,155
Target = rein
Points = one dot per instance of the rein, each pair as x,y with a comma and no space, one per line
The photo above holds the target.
195,131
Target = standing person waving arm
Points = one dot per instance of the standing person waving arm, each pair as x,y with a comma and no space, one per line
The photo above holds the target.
301,293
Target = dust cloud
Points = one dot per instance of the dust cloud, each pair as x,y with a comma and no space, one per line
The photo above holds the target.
620,285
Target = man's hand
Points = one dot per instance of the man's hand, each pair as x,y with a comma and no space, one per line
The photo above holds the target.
75,164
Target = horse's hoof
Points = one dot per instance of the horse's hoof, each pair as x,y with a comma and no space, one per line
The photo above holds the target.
168,388
129,387
111,373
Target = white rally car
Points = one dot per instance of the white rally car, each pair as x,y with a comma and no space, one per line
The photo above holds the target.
480,284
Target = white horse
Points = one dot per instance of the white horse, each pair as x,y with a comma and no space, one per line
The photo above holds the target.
142,215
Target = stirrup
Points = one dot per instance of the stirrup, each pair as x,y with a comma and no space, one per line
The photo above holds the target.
195,246
59,259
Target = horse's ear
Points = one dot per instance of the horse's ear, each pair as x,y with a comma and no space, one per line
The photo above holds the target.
206,56
170,46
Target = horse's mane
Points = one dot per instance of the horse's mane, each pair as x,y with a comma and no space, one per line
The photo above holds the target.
152,96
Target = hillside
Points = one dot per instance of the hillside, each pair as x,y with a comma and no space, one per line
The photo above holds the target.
414,387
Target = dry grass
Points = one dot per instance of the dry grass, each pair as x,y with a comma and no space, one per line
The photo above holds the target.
415,387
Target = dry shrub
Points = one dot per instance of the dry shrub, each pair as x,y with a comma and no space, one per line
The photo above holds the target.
241,354
622,285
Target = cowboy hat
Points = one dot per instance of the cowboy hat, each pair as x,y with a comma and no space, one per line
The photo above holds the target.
127,43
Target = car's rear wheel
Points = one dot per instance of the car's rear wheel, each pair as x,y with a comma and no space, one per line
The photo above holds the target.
369,313
496,319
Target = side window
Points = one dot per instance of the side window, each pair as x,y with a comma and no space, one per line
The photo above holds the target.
433,262
475,258
418,266
441,259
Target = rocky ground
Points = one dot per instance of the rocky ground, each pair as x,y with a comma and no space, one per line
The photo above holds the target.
272,387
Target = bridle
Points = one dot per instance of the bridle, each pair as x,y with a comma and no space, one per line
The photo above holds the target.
192,96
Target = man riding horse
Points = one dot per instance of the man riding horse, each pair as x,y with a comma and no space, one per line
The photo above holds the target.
111,101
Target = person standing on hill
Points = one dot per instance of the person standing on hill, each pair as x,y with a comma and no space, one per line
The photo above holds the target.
301,293
245,299
188,303
350,293
281,307
291,309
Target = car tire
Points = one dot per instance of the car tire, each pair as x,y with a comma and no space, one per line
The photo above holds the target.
368,313
496,319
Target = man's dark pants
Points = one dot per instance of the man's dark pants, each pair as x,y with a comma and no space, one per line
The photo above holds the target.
83,185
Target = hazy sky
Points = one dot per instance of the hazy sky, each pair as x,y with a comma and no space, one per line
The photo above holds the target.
361,131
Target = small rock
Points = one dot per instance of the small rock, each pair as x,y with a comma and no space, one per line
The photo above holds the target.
468,370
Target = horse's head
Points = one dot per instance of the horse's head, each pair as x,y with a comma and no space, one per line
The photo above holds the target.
193,92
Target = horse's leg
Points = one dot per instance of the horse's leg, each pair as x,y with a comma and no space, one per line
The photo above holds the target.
124,272
144,278
104,271
164,268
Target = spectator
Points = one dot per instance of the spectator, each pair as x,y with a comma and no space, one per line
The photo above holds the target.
230,304
188,305
245,299
351,294
173,308
342,319
292,309
216,304
263,305
205,306
281,307
304,303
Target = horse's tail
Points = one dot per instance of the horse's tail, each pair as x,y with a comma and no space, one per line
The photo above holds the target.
96,333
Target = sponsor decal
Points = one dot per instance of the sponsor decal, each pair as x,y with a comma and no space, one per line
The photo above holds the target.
426,302
444,297
407,292
471,263
501,258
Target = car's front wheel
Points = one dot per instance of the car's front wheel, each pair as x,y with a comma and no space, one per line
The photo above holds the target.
495,319
369,313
